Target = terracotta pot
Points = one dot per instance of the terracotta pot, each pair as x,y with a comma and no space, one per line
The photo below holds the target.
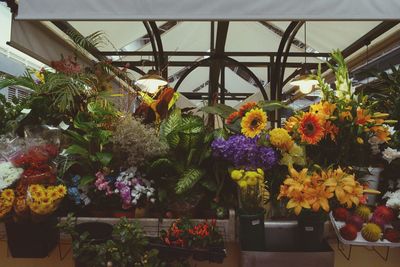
140,212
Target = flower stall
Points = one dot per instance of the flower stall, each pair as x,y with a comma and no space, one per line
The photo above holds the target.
135,180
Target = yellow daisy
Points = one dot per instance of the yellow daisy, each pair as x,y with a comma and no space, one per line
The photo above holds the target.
254,122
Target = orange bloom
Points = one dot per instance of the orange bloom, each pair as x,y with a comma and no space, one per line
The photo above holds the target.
291,123
232,117
362,116
246,107
311,128
381,132
331,129
323,109
345,115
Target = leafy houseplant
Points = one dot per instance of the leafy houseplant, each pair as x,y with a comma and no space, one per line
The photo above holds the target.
127,246
185,171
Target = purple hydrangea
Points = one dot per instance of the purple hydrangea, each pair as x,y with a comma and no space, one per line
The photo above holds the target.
245,152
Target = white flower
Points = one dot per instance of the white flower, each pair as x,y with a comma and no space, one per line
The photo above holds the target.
390,154
390,129
8,174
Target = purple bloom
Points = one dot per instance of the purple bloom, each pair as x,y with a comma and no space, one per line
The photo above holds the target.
245,152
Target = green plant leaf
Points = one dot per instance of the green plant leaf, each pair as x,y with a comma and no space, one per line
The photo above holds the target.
272,105
86,180
76,137
170,124
219,109
104,158
188,180
77,150
209,184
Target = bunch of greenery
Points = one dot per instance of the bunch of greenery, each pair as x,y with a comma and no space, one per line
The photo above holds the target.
135,143
10,114
89,149
127,248
187,173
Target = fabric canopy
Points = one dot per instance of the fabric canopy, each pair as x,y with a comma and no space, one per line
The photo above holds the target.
208,10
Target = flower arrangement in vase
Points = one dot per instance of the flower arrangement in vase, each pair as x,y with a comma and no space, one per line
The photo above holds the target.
312,194
341,127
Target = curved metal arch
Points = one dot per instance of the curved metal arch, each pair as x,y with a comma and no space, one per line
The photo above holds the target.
137,70
285,57
189,70
228,59
251,73
277,65
153,44
157,37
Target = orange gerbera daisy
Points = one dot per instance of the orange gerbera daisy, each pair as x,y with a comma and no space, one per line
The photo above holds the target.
232,117
246,107
311,129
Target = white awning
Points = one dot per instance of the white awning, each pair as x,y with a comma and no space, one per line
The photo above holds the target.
209,10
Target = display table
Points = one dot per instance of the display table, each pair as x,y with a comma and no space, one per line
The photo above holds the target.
360,241
321,258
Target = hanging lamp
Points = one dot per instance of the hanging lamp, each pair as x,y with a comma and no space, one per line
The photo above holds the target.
151,82
304,81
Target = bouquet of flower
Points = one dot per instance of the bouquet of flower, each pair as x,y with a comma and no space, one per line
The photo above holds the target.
132,189
338,129
318,191
253,151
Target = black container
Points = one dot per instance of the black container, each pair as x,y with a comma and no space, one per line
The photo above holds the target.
251,231
32,240
98,233
310,232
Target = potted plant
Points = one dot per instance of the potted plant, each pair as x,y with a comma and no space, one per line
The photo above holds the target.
183,239
311,194
121,245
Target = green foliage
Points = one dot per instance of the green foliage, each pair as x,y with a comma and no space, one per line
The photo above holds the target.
127,248
219,109
10,114
188,180
187,170
89,140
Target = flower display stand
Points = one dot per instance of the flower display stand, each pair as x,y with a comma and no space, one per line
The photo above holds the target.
360,241
153,226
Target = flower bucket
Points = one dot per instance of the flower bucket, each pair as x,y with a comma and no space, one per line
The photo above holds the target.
251,231
310,232
32,240
99,232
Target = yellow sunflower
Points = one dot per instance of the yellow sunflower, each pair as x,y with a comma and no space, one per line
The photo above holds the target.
254,122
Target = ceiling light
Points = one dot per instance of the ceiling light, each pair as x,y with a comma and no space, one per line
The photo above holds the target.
306,83
151,82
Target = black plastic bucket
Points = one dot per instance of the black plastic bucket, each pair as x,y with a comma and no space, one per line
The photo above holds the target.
251,231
